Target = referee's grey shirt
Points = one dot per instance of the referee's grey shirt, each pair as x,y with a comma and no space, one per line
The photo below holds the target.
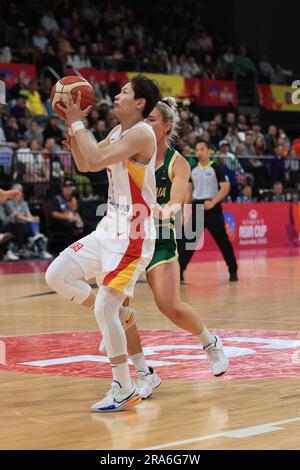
206,180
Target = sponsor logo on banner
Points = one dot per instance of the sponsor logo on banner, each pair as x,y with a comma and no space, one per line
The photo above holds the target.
175,354
218,93
253,230
279,97
230,225
13,71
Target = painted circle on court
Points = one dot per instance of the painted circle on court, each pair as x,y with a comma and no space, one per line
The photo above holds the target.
253,354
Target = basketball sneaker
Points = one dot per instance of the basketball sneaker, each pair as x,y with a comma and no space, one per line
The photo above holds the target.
218,360
117,399
148,382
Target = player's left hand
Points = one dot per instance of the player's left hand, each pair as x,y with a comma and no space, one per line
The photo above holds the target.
72,109
208,205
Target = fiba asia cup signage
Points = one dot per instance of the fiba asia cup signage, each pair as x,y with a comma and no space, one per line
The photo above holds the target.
260,225
253,230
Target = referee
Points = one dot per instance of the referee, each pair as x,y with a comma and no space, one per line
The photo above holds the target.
209,187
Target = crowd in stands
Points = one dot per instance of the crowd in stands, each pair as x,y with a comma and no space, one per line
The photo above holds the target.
84,33
261,163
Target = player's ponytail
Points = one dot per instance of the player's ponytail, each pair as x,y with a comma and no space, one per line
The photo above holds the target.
168,109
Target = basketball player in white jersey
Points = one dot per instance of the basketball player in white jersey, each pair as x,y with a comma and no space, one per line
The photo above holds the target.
122,245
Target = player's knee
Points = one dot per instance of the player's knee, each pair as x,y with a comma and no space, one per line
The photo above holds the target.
51,276
170,309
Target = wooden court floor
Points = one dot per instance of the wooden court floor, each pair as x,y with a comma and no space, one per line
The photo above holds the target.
257,406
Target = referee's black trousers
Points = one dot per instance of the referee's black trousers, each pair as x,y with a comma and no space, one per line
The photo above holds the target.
214,222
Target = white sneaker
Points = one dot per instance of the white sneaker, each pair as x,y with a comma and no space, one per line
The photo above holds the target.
117,399
218,360
10,256
24,253
38,236
147,383
45,255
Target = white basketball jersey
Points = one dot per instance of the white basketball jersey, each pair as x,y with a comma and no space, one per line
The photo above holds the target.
132,182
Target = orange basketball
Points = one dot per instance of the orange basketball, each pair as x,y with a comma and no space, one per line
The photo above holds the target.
72,84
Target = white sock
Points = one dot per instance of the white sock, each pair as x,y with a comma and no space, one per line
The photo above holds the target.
206,337
121,375
140,362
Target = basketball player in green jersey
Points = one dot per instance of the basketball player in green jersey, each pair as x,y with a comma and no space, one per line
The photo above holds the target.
163,273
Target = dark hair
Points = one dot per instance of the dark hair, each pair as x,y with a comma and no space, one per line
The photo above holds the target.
201,141
148,89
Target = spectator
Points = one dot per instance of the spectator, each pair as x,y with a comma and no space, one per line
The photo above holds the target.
34,133
65,215
53,60
104,93
53,131
228,60
208,67
244,65
260,145
95,55
48,21
267,70
12,132
40,40
271,139
205,43
219,70
196,70
230,120
80,60
246,194
19,87
17,229
34,102
175,68
215,135
229,159
100,132
51,150
277,192
296,147
249,143
198,129
20,110
242,123
18,211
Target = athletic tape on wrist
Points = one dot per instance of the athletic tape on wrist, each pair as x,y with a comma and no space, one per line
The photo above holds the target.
77,126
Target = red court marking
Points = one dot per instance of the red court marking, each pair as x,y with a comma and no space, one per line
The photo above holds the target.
24,267
281,361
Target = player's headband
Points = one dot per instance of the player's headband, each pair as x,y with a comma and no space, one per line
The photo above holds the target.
167,103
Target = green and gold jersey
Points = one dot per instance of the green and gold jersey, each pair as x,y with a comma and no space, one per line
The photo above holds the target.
164,177
165,246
